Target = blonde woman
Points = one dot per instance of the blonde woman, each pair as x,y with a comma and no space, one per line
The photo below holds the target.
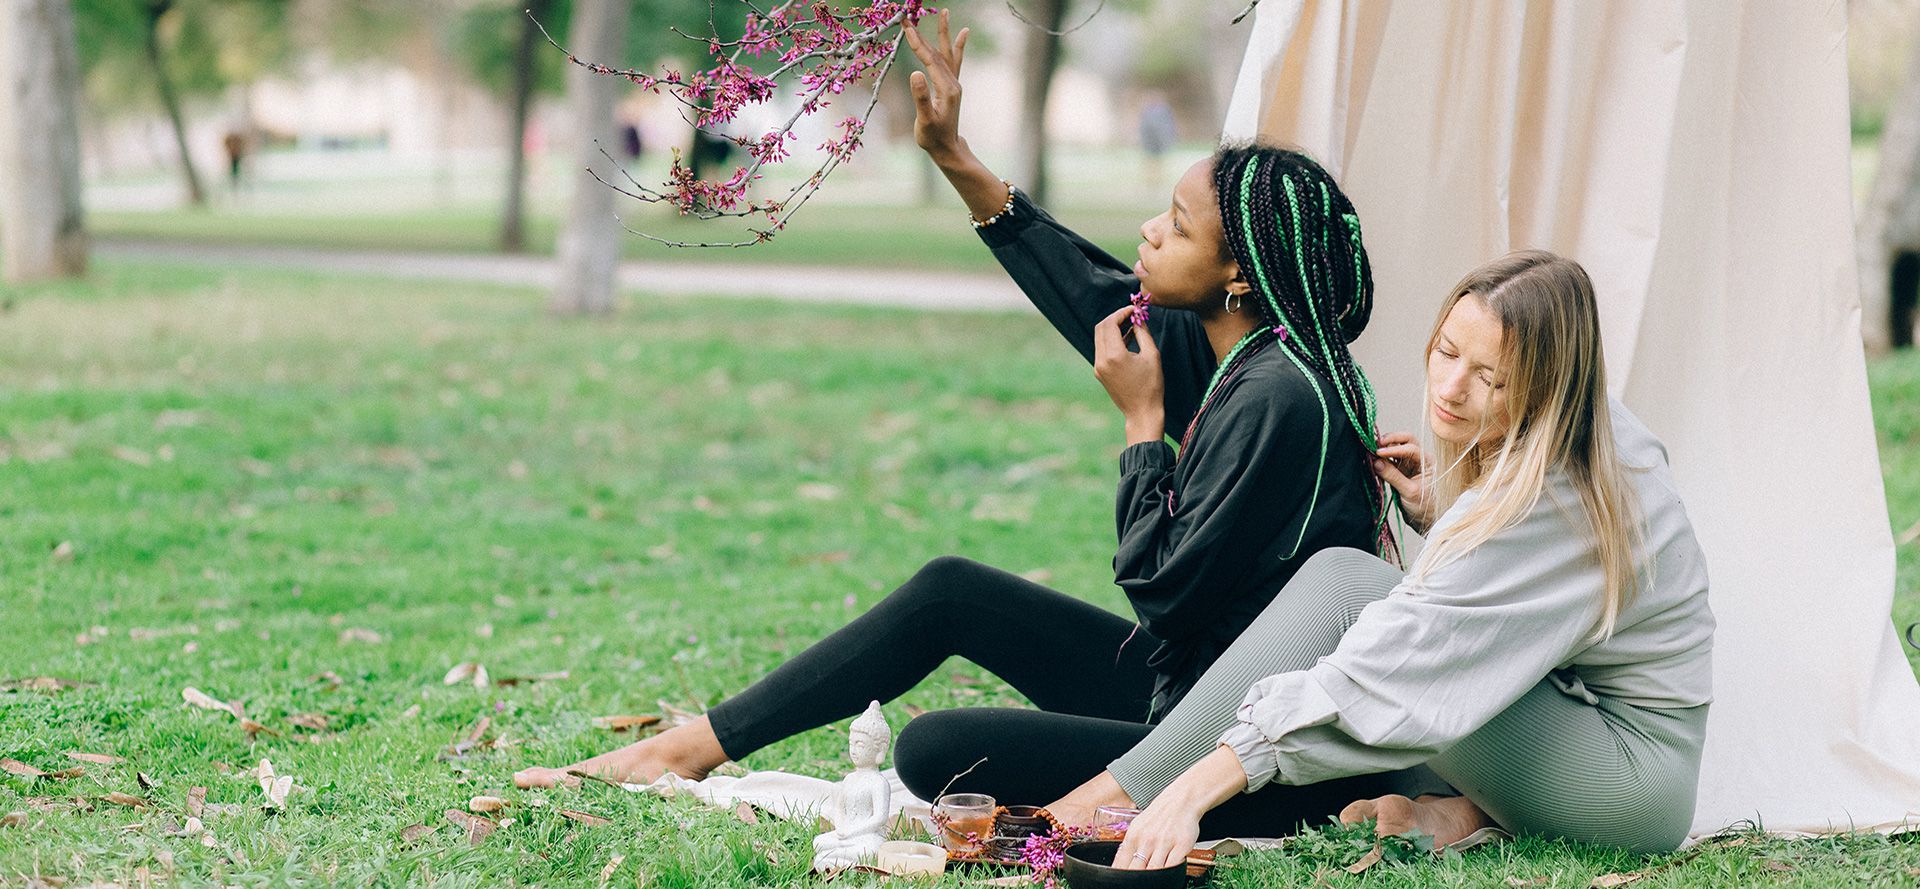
1547,657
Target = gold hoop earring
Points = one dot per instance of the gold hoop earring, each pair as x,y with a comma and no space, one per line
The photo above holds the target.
1233,302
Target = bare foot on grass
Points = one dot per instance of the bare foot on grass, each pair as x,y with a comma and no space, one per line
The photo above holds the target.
690,751
1448,819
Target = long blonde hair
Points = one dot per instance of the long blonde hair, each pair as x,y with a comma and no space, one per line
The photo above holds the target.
1557,417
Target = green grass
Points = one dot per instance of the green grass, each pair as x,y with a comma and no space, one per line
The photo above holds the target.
838,235
244,466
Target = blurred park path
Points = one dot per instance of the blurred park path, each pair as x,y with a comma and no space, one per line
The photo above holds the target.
930,289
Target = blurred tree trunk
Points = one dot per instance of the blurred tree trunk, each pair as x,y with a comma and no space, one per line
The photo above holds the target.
1039,58
42,228
163,81
1889,224
513,222
589,251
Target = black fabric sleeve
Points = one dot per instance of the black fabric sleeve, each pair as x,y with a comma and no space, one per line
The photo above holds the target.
1076,285
1243,486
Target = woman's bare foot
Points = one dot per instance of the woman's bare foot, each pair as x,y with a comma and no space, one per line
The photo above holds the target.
1076,808
690,751
1448,819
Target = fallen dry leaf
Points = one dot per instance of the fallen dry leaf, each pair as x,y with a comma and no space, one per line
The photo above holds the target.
254,729
276,787
196,801
63,551
479,730
127,799
624,723
486,804
1518,883
554,676
329,677
95,758
1608,881
13,819
146,780
1779,866
467,672
477,827
586,818
613,864
746,814
16,767
677,716
41,683
205,701
413,832
1366,861
311,721
64,774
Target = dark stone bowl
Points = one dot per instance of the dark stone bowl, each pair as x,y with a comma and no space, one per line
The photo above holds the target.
1090,866
1022,821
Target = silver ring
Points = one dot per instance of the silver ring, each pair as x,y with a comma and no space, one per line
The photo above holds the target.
1140,856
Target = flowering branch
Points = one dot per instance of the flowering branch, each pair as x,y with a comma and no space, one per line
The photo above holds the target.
818,47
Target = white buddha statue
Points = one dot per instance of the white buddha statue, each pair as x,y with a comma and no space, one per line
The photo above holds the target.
859,807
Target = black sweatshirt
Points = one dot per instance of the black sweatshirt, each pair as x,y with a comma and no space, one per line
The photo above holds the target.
1244,512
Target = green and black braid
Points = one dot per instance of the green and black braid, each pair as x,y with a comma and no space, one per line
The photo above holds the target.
1297,240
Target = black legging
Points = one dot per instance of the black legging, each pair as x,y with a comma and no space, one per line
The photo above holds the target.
1071,659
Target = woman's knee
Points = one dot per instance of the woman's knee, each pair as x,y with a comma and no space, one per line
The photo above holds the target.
1339,581
928,751
942,578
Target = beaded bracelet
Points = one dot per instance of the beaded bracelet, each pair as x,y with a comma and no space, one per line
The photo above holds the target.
1004,210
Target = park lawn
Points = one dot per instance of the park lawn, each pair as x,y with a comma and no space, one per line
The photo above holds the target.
316,495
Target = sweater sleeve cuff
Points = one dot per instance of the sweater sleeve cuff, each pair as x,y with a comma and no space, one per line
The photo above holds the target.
1257,755
1146,457
1011,223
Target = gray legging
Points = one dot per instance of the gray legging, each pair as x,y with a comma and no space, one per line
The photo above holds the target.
1610,773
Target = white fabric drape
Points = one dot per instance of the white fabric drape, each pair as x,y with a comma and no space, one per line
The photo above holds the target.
1694,156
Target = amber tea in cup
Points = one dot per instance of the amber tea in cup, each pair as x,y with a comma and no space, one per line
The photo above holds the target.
965,821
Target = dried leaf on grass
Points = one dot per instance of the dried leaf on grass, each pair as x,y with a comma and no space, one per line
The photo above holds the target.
586,818
746,814
1366,861
467,672
16,767
472,739
677,716
1518,883
127,799
613,864
310,721
275,787
146,780
413,832
624,723
41,683
486,804
196,801
13,819
477,827
95,758
554,676
205,701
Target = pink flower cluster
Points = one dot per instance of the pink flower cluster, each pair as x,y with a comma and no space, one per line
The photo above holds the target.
1140,302
1046,852
818,48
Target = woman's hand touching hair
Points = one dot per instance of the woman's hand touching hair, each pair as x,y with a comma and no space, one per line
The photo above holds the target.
1133,379
1401,463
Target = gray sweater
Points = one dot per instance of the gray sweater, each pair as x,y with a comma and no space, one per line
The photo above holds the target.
1431,663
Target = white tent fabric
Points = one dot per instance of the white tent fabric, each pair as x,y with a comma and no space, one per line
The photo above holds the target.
1694,156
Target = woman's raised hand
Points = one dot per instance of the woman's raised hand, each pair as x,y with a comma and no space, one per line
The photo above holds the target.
936,90
1132,379
1400,462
